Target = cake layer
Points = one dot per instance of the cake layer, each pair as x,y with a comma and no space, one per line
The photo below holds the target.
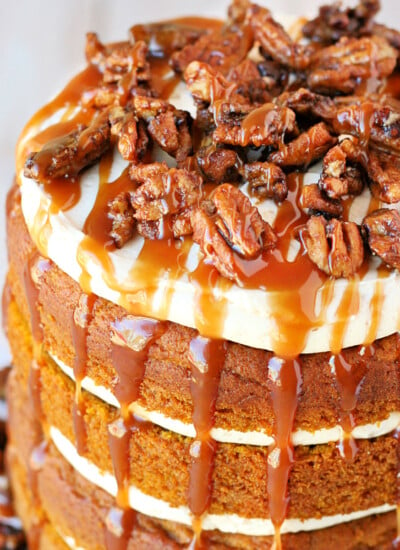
284,304
321,482
83,517
244,396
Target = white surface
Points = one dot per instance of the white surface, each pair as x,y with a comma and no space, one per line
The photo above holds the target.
228,523
42,43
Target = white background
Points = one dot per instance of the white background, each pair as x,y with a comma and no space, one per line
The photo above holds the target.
42,46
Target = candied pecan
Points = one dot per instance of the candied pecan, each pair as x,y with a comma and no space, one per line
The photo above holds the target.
221,49
219,164
132,137
239,124
381,229
66,156
118,60
391,35
148,107
383,171
333,21
253,81
267,180
121,212
339,68
206,83
307,148
230,224
237,10
335,247
313,200
339,177
163,193
379,124
306,102
275,41
163,39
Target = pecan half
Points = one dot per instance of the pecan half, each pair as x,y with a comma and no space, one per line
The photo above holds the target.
207,84
121,212
307,148
118,60
66,156
308,103
132,137
238,124
383,170
335,247
339,176
313,200
334,21
340,67
165,196
275,41
221,49
266,180
163,39
230,224
381,229
219,164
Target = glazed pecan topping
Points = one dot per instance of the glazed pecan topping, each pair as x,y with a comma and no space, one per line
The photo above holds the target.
163,39
117,61
239,124
383,170
219,164
132,137
371,122
66,156
275,41
164,196
340,67
310,146
335,247
230,223
339,176
334,21
121,212
266,180
221,49
308,103
313,201
207,84
382,231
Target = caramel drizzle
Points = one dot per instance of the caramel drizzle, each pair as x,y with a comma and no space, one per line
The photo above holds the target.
286,380
207,359
349,379
81,319
130,343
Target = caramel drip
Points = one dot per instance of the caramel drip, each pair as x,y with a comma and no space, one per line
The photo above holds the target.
349,379
81,319
349,305
207,358
120,524
285,386
130,343
376,305
97,224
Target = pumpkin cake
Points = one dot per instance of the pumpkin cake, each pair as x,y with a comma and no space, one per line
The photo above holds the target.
203,295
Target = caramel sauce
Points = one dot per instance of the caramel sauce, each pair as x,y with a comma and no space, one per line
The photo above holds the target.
286,380
120,524
349,378
349,305
81,319
207,358
130,342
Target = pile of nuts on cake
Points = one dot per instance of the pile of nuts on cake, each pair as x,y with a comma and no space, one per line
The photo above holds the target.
267,105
